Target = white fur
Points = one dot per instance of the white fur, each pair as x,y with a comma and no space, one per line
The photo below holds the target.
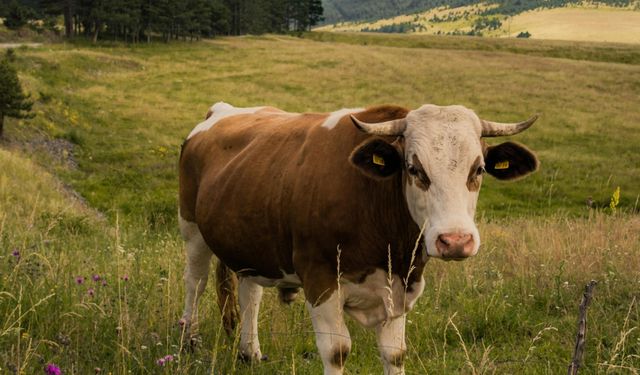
391,344
219,111
196,271
334,117
374,301
447,142
249,297
331,331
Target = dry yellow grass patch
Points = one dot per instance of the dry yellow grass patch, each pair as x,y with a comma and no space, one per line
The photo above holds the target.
418,18
581,24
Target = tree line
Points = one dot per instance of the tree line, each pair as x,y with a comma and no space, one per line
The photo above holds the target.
136,20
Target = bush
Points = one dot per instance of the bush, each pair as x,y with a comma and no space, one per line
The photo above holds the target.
524,34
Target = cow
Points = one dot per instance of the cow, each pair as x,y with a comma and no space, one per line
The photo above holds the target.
349,206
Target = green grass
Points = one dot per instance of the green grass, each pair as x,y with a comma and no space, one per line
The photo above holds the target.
512,309
591,51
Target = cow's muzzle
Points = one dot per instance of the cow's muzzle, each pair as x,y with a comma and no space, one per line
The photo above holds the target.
455,246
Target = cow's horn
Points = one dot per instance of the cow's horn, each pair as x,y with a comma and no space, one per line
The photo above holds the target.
393,127
498,129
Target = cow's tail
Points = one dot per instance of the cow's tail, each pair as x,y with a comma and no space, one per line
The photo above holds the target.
227,288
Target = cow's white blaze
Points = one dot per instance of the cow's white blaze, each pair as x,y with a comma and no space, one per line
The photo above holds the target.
219,111
446,141
334,117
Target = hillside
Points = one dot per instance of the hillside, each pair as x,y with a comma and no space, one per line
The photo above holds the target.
336,11
582,22
102,293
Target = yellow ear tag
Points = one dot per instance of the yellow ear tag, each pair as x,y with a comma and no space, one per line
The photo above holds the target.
502,165
378,160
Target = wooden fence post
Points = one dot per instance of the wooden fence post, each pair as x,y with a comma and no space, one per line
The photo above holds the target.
574,366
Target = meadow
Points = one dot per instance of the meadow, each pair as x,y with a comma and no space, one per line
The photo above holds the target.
587,21
91,260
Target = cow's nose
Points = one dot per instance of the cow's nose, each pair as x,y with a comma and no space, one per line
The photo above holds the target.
455,245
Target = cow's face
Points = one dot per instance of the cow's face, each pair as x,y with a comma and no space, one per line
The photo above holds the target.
443,159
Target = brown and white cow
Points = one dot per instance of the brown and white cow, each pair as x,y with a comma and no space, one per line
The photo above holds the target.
335,203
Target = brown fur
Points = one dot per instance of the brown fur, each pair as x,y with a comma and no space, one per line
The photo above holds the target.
273,193
521,160
422,179
340,357
226,287
474,180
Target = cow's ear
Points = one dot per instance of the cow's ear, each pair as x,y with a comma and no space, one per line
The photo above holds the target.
376,158
509,160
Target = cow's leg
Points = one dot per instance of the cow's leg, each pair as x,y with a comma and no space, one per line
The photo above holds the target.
196,272
391,344
249,296
332,336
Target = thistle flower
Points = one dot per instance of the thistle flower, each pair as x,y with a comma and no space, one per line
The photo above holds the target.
125,277
91,292
79,280
164,360
95,278
52,369
16,253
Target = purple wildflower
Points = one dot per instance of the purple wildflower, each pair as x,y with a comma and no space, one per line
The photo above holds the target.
16,253
91,292
95,278
52,369
164,360
125,277
79,280
104,282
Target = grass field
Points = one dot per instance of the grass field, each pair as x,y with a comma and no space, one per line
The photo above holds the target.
109,123
585,22
590,24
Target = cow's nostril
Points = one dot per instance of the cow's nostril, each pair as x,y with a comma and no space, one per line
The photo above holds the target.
444,240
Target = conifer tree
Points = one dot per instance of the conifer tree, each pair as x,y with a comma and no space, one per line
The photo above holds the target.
13,101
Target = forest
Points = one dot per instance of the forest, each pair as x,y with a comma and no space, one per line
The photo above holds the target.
143,20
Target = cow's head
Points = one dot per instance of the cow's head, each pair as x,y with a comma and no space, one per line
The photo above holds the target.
442,157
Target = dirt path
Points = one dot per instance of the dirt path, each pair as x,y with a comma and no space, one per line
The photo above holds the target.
16,45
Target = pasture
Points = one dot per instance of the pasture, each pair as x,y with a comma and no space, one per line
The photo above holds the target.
588,22
96,282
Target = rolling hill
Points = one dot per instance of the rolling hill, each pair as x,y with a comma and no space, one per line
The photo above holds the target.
594,22
359,10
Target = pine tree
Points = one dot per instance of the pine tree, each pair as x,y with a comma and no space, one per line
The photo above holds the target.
16,16
13,101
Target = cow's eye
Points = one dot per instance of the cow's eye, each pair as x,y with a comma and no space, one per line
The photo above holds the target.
412,170
480,171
